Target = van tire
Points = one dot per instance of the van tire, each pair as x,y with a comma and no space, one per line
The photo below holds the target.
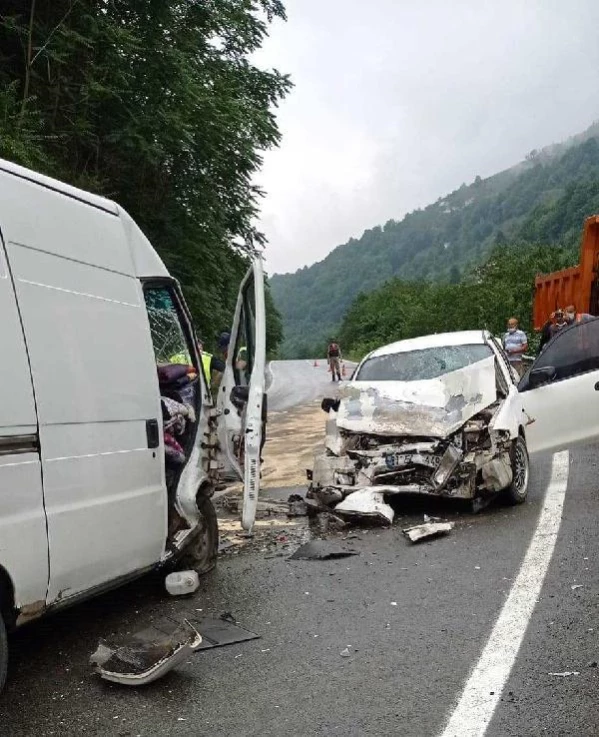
517,491
3,653
201,555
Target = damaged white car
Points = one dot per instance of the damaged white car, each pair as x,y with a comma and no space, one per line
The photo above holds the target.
444,415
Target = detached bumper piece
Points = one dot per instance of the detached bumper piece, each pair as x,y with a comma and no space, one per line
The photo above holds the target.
143,659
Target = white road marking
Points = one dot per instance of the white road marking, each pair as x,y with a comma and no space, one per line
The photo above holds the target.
482,691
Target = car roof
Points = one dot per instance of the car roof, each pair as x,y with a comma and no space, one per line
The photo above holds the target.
438,340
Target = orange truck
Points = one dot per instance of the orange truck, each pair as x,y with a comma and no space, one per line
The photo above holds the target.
577,285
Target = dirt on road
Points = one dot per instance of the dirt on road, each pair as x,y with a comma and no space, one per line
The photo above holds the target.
291,438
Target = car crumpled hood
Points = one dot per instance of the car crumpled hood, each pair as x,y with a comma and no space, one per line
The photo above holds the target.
432,408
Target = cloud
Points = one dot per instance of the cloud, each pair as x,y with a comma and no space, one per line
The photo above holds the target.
397,102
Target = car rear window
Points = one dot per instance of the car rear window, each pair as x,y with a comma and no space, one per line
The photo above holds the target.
428,363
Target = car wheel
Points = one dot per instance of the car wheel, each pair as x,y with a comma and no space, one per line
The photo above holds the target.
517,491
202,553
3,653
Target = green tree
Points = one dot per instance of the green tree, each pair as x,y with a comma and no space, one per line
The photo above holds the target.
153,103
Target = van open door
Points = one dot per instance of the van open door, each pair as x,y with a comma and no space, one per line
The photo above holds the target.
241,402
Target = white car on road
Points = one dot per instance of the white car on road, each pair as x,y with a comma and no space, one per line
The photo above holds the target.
447,415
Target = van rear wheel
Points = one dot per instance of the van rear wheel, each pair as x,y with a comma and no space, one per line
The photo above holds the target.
3,653
202,553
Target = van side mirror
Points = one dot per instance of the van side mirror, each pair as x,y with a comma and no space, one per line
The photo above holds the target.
328,404
540,376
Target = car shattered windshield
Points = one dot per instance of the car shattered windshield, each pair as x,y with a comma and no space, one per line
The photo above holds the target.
427,363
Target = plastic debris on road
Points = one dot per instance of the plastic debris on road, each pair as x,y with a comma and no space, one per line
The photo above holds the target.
140,661
428,530
566,673
182,583
367,504
321,550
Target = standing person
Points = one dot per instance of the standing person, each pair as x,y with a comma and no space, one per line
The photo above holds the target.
334,359
556,322
213,366
573,317
515,344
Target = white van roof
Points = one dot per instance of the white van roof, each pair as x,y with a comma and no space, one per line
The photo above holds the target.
147,262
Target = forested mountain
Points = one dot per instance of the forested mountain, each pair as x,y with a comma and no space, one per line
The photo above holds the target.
544,200
157,106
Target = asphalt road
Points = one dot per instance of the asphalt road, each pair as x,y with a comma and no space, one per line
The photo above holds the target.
292,383
417,621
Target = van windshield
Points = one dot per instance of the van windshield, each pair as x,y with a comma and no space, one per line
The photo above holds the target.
420,365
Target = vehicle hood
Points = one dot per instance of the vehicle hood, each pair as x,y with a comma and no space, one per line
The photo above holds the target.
432,408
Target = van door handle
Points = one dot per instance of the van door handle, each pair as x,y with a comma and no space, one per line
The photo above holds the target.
152,433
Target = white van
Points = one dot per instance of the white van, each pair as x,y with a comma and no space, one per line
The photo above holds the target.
91,400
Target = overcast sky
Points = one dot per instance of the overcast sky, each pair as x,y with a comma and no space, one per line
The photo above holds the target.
397,102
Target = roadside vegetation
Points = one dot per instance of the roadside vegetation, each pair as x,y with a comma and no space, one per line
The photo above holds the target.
508,223
157,106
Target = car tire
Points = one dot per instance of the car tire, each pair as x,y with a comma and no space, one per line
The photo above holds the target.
202,553
517,491
3,653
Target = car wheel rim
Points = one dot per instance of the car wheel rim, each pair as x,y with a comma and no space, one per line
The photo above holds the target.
520,469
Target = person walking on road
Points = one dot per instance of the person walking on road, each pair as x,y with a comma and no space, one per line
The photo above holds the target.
334,360
515,344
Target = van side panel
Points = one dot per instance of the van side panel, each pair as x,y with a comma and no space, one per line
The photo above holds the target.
23,539
92,363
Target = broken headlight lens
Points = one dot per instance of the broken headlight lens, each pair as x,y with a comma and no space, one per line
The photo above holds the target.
447,466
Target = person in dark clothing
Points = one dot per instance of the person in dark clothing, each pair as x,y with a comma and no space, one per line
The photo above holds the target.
334,360
556,322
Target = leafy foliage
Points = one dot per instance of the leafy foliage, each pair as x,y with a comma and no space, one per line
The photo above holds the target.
542,200
501,288
155,104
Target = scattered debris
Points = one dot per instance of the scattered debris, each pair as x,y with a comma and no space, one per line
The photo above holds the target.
225,544
592,664
297,506
428,530
327,496
576,586
345,653
228,617
140,660
366,504
328,522
393,603
219,633
321,550
566,673
182,583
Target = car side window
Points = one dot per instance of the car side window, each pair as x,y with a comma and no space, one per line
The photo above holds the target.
572,352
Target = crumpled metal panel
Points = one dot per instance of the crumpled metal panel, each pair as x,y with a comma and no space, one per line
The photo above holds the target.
432,408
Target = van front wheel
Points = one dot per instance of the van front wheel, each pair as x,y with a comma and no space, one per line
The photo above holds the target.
3,653
202,553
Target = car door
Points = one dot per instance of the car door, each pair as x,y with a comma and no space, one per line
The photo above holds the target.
241,402
560,391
